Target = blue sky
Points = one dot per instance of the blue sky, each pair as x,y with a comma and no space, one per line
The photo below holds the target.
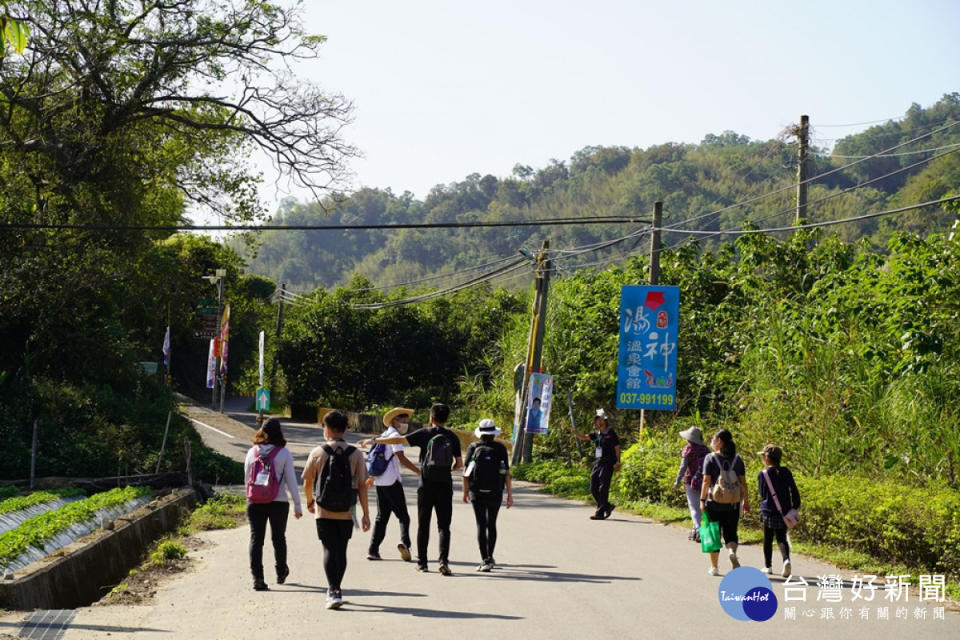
445,89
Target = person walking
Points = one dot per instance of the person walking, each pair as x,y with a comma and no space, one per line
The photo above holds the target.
607,461
723,493
270,475
690,475
439,457
486,475
390,496
778,496
334,479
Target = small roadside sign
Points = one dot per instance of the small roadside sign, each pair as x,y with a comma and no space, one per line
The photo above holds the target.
647,371
263,399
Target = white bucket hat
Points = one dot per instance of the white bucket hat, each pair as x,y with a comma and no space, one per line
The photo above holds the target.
486,427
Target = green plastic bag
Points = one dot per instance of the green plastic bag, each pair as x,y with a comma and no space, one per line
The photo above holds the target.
709,534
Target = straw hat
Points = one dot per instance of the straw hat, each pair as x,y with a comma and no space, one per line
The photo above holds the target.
393,413
487,428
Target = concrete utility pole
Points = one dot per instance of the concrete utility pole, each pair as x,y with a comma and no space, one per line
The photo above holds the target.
273,366
654,268
524,444
803,133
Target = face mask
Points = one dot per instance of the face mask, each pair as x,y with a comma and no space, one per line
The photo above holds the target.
403,428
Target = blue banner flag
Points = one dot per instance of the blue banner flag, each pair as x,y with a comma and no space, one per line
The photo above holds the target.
647,365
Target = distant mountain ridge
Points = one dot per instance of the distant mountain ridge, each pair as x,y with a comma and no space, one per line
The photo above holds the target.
692,180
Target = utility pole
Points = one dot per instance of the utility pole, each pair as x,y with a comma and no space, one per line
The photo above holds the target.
655,243
803,132
273,367
523,448
654,269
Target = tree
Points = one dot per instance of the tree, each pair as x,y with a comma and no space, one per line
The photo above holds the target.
127,113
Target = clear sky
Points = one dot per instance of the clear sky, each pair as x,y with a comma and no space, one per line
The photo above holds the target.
446,89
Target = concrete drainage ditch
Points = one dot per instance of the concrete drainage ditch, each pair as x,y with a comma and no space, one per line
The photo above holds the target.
84,571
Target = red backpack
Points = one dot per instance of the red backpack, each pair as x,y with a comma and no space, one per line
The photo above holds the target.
263,483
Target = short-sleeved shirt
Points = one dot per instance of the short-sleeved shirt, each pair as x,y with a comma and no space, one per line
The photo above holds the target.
421,437
711,467
314,467
605,442
392,474
500,454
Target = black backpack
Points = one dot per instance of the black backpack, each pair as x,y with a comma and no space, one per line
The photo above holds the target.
438,459
485,477
336,492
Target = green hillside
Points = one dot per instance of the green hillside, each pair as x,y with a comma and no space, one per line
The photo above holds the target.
691,180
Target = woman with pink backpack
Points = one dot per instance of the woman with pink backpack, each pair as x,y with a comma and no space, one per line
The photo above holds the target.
269,473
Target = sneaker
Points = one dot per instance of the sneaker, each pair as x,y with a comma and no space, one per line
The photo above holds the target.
404,551
486,567
696,536
597,516
260,585
334,599
480,567
786,568
713,571
734,562
373,555
608,510
422,568
692,533
445,569
492,562
768,571
282,575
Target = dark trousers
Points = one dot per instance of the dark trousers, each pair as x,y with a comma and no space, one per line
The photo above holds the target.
390,500
485,509
768,534
258,515
600,484
728,519
434,496
334,536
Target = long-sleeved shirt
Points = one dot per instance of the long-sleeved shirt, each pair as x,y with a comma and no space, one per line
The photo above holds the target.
287,474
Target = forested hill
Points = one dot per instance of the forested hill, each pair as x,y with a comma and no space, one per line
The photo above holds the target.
690,179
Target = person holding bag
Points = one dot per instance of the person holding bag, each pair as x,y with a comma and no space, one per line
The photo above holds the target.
779,500
723,494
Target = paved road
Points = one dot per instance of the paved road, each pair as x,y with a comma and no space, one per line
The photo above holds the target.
561,576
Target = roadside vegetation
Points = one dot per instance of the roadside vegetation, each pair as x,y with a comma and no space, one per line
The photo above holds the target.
171,554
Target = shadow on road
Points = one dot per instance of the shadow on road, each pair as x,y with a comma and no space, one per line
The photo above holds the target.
425,613
514,572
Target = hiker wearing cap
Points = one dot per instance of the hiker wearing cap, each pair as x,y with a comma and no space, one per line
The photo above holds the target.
723,494
486,475
778,497
439,457
386,479
607,460
690,475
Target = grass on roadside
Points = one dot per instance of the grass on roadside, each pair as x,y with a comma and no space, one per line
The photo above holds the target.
171,554
223,511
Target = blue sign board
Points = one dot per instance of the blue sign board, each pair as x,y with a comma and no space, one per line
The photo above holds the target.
647,365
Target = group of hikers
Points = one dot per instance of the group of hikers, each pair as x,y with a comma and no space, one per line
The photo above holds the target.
336,478
337,475
716,487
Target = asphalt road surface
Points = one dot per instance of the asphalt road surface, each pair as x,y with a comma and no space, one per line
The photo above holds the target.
560,575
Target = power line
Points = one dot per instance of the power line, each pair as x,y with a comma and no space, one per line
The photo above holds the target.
548,222
517,263
813,225
890,155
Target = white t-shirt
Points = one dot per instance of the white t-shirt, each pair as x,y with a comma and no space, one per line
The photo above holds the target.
392,474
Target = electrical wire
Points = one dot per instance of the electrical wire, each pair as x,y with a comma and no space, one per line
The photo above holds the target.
331,227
